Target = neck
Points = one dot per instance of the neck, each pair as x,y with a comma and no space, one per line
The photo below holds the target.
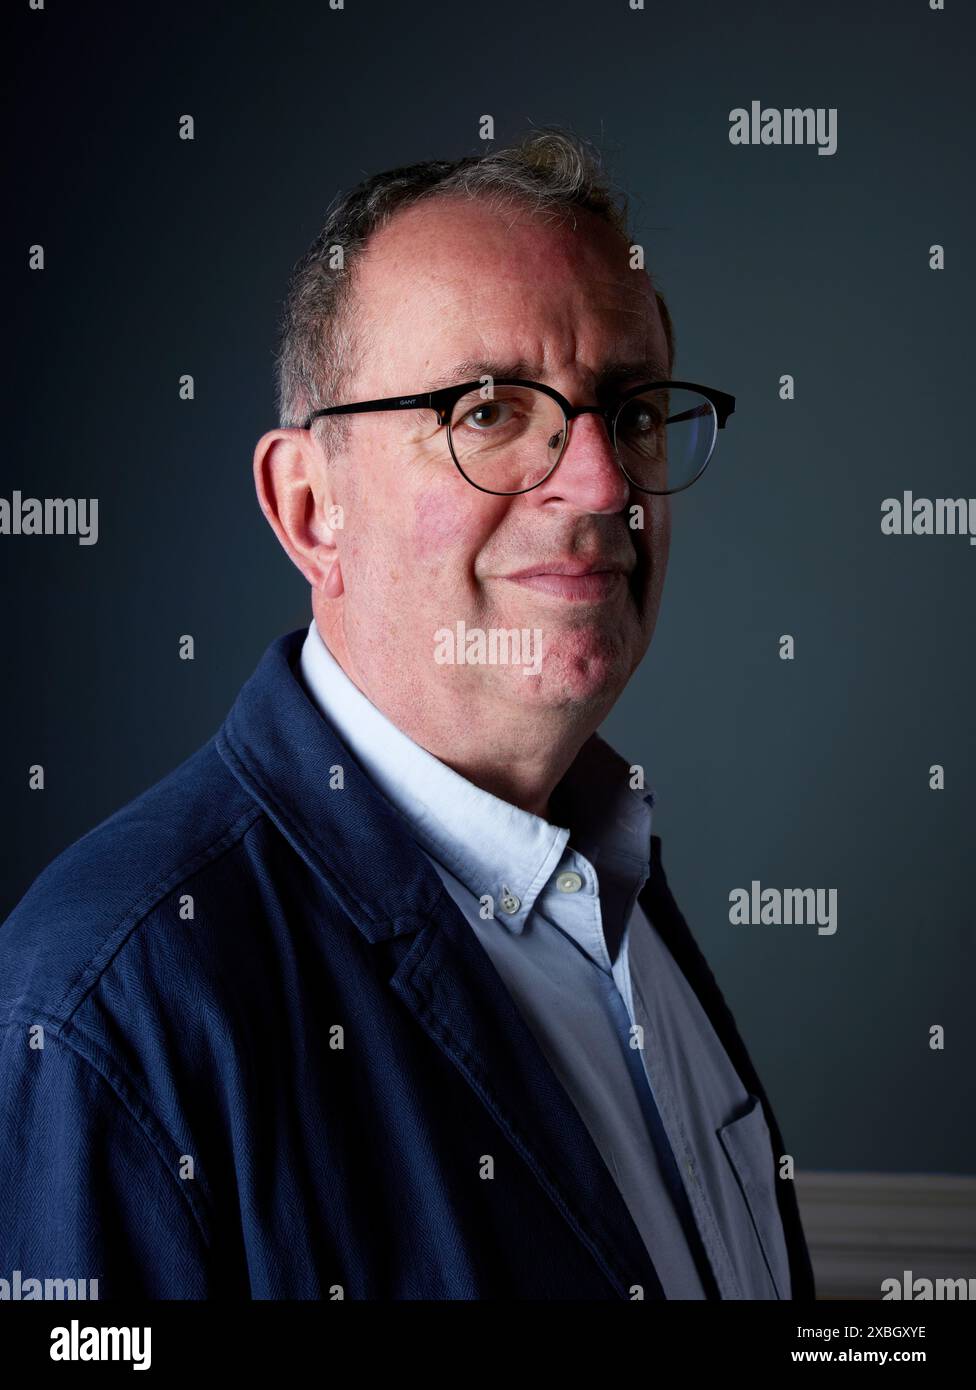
507,748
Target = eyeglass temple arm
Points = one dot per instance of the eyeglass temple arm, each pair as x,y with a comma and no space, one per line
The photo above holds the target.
721,414
423,401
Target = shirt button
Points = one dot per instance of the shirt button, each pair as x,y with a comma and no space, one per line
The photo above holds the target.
510,903
569,883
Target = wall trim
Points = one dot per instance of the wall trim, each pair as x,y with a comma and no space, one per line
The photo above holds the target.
862,1228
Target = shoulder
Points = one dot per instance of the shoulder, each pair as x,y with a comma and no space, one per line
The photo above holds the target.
87,906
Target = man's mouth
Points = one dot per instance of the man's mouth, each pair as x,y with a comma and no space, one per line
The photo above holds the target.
580,581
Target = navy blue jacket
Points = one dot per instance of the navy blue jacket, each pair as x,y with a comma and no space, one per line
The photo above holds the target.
291,1091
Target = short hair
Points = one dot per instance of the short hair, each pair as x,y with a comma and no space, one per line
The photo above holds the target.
549,171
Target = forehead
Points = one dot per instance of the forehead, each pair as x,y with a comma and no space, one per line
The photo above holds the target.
452,278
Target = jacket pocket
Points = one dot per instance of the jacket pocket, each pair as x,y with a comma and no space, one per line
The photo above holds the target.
749,1149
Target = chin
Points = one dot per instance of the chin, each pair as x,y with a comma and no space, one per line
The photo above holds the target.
592,674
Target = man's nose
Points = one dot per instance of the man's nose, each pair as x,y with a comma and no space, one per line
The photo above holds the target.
588,474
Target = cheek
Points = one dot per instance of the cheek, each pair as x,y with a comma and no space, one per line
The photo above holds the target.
444,523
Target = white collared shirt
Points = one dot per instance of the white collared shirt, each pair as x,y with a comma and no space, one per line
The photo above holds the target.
566,924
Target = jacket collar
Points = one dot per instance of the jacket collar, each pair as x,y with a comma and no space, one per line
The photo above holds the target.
296,766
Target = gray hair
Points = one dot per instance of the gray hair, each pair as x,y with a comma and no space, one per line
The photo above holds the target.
550,171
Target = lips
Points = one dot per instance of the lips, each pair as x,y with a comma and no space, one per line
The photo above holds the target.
571,567
579,581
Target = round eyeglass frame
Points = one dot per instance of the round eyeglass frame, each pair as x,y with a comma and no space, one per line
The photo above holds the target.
610,416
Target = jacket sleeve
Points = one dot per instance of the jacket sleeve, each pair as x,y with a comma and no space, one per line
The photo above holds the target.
85,1192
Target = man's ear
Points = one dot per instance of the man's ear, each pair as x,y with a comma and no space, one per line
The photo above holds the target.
294,488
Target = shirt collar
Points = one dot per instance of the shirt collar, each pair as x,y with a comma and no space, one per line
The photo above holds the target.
491,846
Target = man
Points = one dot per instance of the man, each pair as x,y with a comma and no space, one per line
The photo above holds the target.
382,994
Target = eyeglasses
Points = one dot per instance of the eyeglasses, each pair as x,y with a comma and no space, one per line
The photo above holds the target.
507,436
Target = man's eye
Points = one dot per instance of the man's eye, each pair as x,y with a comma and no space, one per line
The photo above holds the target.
487,415
641,419
637,421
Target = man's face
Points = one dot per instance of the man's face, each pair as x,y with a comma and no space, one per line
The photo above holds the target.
421,549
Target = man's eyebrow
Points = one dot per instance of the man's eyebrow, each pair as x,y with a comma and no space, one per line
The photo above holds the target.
611,374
